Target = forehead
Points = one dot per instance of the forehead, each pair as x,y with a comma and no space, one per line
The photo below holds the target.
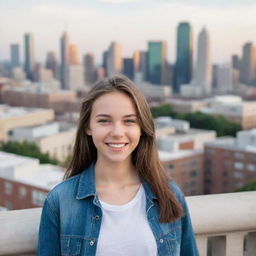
113,103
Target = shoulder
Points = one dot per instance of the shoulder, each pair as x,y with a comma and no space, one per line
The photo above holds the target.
64,189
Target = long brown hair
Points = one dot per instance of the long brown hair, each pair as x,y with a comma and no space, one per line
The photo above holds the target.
145,157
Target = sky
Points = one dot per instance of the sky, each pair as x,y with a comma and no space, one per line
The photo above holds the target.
93,24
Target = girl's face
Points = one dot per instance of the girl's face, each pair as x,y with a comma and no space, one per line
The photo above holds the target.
114,127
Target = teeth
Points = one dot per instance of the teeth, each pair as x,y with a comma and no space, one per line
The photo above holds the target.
116,145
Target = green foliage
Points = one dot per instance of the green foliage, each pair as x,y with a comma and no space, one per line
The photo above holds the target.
250,186
200,120
163,110
27,149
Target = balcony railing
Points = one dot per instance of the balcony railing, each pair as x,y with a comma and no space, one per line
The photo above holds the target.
225,225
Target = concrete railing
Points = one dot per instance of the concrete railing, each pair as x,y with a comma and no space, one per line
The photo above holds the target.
225,225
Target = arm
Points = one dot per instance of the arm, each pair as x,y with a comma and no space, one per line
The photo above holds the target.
188,242
49,235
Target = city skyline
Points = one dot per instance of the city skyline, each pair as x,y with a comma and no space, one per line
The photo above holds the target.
130,22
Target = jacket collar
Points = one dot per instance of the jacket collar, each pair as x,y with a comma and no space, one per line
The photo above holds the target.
86,185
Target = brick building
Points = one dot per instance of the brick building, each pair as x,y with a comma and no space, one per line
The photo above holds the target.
230,162
24,182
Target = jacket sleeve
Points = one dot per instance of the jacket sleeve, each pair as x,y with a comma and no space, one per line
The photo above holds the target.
49,231
188,242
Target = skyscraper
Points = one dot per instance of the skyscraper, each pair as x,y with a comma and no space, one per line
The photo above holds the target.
73,55
136,61
64,59
105,61
29,60
51,63
203,74
114,61
89,68
248,64
183,67
15,55
156,60
128,67
143,64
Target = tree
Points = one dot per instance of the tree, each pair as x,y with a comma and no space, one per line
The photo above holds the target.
250,186
163,110
200,120
27,149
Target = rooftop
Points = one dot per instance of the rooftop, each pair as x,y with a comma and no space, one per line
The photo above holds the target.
9,112
167,156
28,171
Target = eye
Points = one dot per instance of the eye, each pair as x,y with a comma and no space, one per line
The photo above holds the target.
103,121
130,121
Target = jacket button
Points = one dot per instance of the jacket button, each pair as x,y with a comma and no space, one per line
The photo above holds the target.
91,243
97,217
161,240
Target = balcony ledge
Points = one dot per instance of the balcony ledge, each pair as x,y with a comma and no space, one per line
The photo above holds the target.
212,215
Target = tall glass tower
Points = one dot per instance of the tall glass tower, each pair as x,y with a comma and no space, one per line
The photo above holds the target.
183,67
15,55
29,55
64,54
156,60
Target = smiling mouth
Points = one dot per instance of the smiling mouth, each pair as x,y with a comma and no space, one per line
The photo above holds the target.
115,145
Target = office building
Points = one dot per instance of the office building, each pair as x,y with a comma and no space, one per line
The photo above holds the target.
105,61
224,79
90,70
64,54
51,63
183,66
248,64
203,75
114,59
73,55
156,61
15,56
128,67
29,60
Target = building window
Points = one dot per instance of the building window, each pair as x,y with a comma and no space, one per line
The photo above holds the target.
170,167
194,162
38,197
8,188
239,155
238,175
251,167
238,165
227,153
193,173
209,151
22,192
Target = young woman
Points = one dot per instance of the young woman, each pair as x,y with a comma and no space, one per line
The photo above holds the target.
117,199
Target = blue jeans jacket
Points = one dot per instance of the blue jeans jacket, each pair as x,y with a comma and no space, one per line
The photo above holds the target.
71,219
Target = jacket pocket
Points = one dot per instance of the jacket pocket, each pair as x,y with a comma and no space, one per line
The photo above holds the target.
70,246
173,242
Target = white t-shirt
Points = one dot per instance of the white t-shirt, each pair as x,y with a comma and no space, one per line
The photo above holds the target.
125,230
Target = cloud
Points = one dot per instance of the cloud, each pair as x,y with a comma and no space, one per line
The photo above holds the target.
118,1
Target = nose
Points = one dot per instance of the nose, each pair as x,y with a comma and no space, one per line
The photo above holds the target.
117,130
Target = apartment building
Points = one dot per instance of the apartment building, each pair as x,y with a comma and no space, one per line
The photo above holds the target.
24,183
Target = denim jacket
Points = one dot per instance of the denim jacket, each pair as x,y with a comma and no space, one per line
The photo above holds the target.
71,220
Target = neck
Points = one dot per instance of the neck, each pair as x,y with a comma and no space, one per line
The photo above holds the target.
115,173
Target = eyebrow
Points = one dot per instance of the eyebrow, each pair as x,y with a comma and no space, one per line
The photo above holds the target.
106,115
